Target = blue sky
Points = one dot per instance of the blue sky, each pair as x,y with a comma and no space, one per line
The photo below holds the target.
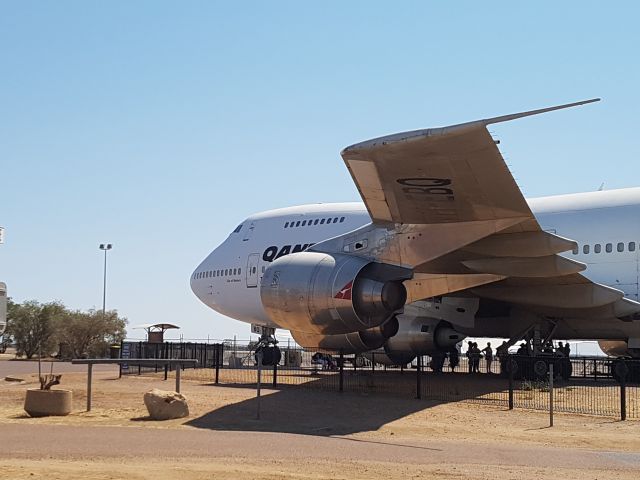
159,126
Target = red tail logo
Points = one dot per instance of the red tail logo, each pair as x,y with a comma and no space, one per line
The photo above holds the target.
345,292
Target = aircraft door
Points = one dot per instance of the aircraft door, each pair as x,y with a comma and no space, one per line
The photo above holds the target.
252,270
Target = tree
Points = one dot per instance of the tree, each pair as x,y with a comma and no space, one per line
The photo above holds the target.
45,327
89,334
31,324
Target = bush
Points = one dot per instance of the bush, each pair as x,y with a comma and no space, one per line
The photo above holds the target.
49,327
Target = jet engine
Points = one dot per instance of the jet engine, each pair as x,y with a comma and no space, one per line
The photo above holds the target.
618,348
330,294
348,343
419,336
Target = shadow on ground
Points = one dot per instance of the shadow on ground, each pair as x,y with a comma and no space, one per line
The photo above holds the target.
297,409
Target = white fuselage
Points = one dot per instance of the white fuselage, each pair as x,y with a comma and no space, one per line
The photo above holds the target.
606,225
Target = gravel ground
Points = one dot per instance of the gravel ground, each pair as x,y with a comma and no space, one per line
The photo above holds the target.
301,434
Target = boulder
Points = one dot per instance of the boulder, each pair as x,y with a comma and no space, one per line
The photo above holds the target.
165,405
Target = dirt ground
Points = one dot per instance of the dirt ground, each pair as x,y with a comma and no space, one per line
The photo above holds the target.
300,434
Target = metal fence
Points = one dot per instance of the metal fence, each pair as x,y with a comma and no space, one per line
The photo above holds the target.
584,385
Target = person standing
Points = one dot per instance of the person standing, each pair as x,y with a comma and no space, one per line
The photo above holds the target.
475,358
488,356
454,358
502,353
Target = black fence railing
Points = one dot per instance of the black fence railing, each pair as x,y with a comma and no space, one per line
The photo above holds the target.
585,385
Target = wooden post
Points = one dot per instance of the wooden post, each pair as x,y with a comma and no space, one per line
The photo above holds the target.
89,379
178,370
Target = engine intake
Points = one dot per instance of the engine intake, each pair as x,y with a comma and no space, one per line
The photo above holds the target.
331,294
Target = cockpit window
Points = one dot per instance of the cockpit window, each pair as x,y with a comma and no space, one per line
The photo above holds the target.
238,228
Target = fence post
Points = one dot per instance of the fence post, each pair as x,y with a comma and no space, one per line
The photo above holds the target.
166,371
178,371
510,384
218,356
341,388
551,394
259,379
275,375
120,364
623,392
418,377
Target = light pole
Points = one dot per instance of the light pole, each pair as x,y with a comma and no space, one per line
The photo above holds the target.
106,247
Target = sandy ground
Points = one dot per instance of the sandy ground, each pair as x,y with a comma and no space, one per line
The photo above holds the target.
301,434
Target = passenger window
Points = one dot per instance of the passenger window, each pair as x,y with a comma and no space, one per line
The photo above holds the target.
632,246
597,248
341,219
335,220
322,221
315,221
585,249
304,222
575,250
286,224
226,272
609,247
239,271
297,224
620,247
254,270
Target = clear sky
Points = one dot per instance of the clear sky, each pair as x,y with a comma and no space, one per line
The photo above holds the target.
159,126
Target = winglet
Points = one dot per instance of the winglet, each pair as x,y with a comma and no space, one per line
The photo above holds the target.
514,116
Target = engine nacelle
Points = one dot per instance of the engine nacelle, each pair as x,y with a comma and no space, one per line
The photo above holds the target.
420,336
618,348
348,343
331,294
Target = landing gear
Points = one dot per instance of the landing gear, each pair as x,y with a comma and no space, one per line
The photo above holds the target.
267,349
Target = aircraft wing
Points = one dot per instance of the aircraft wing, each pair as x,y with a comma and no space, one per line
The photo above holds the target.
438,175
463,223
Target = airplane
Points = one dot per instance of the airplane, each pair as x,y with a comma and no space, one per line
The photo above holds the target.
443,246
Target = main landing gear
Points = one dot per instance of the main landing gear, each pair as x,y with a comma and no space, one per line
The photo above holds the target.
267,350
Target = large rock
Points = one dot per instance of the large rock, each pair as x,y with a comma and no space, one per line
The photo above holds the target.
164,405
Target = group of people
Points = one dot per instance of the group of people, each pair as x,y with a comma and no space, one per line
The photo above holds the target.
474,354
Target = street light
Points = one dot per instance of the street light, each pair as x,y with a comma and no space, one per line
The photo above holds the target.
106,247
